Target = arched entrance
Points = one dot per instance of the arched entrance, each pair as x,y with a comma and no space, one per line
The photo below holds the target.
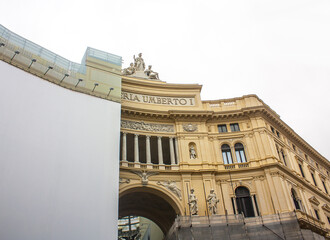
244,202
149,203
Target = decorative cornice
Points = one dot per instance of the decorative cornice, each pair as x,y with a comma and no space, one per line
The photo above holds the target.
158,84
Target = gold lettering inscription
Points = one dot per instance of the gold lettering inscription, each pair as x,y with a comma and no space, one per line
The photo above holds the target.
158,99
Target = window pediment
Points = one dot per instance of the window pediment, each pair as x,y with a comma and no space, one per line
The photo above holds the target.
326,208
314,201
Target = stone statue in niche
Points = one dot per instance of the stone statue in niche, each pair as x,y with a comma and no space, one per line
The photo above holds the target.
192,202
151,74
139,63
130,70
192,152
171,185
212,201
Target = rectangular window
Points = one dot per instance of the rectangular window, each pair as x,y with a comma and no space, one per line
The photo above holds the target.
317,214
278,134
325,188
222,128
273,130
234,127
294,147
328,219
283,157
313,179
301,170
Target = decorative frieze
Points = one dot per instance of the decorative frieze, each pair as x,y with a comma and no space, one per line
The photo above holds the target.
151,127
259,177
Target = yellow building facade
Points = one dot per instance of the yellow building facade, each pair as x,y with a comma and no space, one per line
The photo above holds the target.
172,142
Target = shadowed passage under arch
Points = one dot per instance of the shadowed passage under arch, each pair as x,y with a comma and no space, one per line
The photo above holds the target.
149,205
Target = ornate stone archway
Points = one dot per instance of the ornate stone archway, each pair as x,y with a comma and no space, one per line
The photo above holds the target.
150,203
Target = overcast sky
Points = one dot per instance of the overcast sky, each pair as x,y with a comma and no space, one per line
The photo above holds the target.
279,50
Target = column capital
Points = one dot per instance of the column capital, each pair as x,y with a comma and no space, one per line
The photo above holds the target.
147,136
159,137
136,135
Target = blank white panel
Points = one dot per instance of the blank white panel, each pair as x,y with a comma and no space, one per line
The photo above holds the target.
59,168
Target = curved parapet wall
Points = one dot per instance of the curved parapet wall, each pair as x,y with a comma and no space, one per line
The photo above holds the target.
97,75
59,148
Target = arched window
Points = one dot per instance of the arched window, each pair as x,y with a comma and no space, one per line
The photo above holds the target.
226,154
295,199
240,154
244,202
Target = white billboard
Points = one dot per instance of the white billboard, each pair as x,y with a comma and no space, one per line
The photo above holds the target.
59,169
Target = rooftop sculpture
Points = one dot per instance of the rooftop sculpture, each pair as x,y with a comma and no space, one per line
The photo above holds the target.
137,69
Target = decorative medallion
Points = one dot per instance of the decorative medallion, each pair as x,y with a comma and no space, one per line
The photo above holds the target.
151,127
189,127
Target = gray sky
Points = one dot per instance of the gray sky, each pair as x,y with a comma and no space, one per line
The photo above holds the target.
279,50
